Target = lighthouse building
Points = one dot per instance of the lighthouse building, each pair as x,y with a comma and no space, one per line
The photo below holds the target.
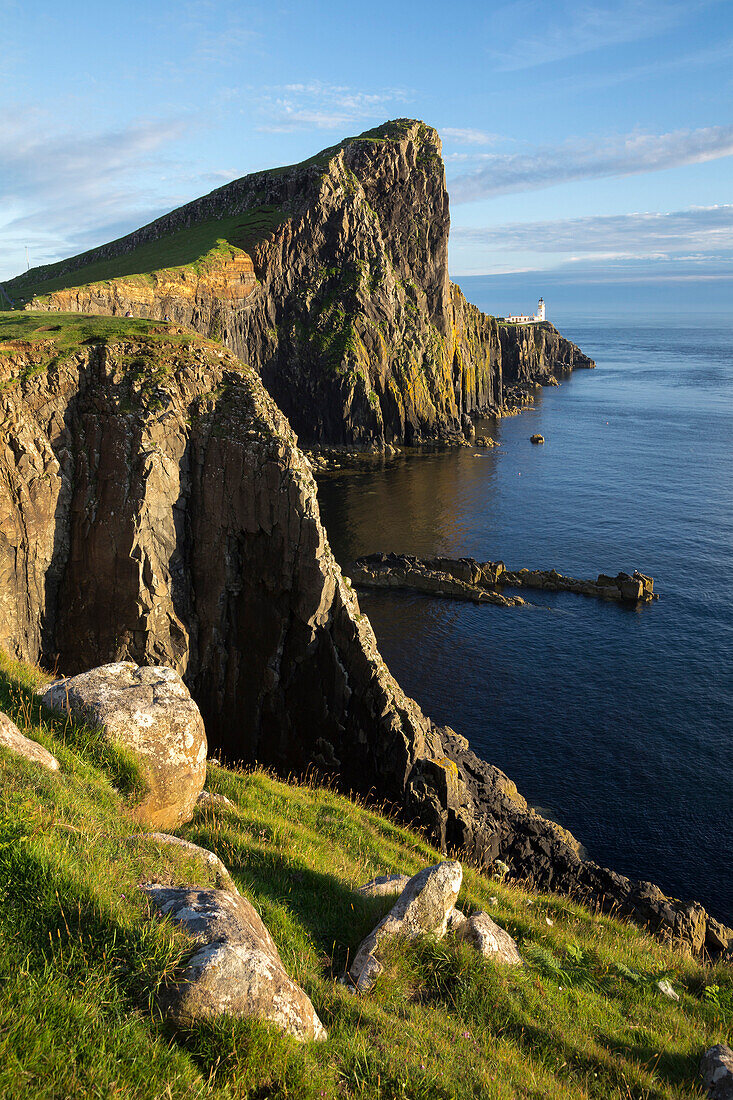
525,319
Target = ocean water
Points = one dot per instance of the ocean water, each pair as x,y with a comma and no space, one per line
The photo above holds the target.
615,721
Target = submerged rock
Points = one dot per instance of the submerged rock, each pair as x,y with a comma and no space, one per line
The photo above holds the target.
236,969
11,738
149,711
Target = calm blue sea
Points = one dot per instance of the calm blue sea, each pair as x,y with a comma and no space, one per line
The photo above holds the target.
616,722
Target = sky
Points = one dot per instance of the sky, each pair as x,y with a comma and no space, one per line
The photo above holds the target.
583,141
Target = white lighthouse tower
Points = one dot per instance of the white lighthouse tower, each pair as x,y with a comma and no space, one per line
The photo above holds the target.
541,310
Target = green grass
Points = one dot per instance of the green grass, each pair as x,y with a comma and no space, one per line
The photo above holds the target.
196,247
81,957
32,341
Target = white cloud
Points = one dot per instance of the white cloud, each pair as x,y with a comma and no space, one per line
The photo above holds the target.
620,155
707,229
63,192
316,105
460,136
533,33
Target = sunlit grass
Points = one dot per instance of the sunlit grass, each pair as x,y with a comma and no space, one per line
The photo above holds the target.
81,956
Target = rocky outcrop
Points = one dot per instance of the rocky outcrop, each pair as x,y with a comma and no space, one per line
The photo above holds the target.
150,712
422,909
12,739
716,1069
155,508
337,294
236,968
483,581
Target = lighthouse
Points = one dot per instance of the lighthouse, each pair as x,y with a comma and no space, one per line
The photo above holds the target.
541,310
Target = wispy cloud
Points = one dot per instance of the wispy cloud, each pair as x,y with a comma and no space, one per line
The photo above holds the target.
63,192
623,155
315,105
458,136
534,33
706,229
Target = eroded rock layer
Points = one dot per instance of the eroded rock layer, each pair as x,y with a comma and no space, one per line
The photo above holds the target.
340,300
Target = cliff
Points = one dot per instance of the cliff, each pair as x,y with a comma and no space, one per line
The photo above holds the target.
330,278
154,505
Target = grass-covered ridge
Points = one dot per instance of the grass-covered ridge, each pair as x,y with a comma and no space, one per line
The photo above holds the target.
81,957
196,247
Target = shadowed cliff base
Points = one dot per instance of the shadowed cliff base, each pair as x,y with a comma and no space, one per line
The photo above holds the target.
330,278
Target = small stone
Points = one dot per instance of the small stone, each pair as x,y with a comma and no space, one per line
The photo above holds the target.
481,932
11,738
537,438
716,1068
208,801
224,880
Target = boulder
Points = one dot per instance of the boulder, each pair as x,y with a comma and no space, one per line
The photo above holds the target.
481,932
149,711
223,879
422,909
11,738
716,1068
383,886
236,969
456,921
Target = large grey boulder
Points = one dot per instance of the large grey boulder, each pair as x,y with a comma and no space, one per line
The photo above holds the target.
716,1068
423,908
222,877
149,711
493,942
11,738
236,969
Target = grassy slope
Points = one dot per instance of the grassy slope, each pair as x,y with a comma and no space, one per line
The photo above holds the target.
194,247
80,958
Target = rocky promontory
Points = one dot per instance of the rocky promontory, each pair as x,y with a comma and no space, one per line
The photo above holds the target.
155,508
330,279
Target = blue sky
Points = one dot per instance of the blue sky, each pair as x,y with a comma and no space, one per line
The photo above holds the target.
592,141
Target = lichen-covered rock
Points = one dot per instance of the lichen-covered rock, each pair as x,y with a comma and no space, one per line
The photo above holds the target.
383,886
489,939
423,908
223,880
11,738
149,711
236,969
716,1069
210,801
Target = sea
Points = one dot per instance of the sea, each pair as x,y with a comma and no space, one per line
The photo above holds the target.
615,721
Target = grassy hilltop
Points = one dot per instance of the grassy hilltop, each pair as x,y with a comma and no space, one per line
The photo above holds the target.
81,958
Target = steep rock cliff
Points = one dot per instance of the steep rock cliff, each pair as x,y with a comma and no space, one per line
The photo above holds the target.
349,318
154,505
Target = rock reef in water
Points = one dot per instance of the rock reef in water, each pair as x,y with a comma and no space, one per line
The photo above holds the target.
330,278
483,581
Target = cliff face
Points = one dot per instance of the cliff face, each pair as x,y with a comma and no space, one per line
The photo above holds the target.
154,506
347,312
